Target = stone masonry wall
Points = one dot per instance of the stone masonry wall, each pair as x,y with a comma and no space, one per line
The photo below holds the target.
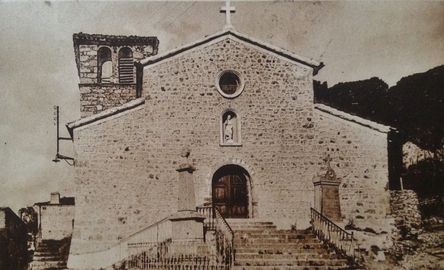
125,165
56,221
359,157
96,97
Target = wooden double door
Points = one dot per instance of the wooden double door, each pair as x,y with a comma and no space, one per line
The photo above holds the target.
230,194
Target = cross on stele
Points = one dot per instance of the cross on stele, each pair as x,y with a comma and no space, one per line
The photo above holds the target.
327,160
227,9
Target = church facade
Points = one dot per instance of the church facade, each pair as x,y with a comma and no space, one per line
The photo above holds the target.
245,113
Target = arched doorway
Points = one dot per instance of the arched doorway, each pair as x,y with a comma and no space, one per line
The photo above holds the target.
230,191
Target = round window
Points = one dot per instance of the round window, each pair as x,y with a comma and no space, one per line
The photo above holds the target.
229,84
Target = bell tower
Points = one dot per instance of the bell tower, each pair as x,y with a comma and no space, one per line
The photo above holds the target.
105,65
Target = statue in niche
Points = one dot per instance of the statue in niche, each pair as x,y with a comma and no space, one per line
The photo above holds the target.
230,129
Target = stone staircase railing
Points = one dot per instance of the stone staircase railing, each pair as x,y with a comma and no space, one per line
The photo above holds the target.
149,237
173,256
333,235
224,235
153,247
136,243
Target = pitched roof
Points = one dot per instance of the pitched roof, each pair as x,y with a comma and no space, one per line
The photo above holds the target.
230,32
353,118
104,114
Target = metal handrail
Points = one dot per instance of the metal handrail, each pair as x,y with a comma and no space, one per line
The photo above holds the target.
224,235
333,235
223,220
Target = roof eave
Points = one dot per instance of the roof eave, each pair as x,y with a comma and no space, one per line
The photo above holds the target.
353,118
104,114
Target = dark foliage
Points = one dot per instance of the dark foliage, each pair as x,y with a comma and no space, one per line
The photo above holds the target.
427,179
29,217
414,106
417,107
365,98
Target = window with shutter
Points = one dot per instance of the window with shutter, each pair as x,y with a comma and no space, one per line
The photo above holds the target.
126,66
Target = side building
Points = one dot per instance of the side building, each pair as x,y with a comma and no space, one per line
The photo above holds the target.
55,218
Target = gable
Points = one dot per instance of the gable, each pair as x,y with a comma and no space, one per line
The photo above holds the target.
249,41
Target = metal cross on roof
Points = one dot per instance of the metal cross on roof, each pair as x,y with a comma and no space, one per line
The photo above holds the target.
227,9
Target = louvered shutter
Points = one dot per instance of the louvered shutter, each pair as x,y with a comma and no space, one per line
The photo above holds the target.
126,70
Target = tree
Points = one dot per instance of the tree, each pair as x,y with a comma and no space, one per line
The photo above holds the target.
29,217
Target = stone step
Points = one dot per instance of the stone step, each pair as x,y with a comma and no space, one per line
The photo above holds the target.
253,227
271,241
249,223
49,268
50,242
263,246
46,264
289,267
46,250
275,232
51,247
277,251
279,248
256,224
298,238
296,256
39,253
291,262
50,257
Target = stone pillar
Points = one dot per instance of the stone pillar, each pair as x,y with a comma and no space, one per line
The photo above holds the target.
326,193
186,224
186,197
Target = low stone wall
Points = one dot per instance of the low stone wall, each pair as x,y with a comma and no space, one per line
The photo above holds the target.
407,224
404,208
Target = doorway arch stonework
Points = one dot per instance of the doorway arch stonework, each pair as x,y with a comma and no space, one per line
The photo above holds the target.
251,202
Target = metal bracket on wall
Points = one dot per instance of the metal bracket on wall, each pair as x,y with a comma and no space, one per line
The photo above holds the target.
59,156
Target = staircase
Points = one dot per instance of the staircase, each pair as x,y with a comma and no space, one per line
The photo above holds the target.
51,255
260,245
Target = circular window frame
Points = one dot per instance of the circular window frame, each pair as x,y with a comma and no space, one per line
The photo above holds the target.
239,90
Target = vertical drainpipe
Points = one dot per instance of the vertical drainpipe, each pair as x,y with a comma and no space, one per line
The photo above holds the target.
139,79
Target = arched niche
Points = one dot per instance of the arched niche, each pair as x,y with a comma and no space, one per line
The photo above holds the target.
230,128
104,65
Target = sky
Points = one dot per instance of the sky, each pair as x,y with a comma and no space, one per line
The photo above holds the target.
355,40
